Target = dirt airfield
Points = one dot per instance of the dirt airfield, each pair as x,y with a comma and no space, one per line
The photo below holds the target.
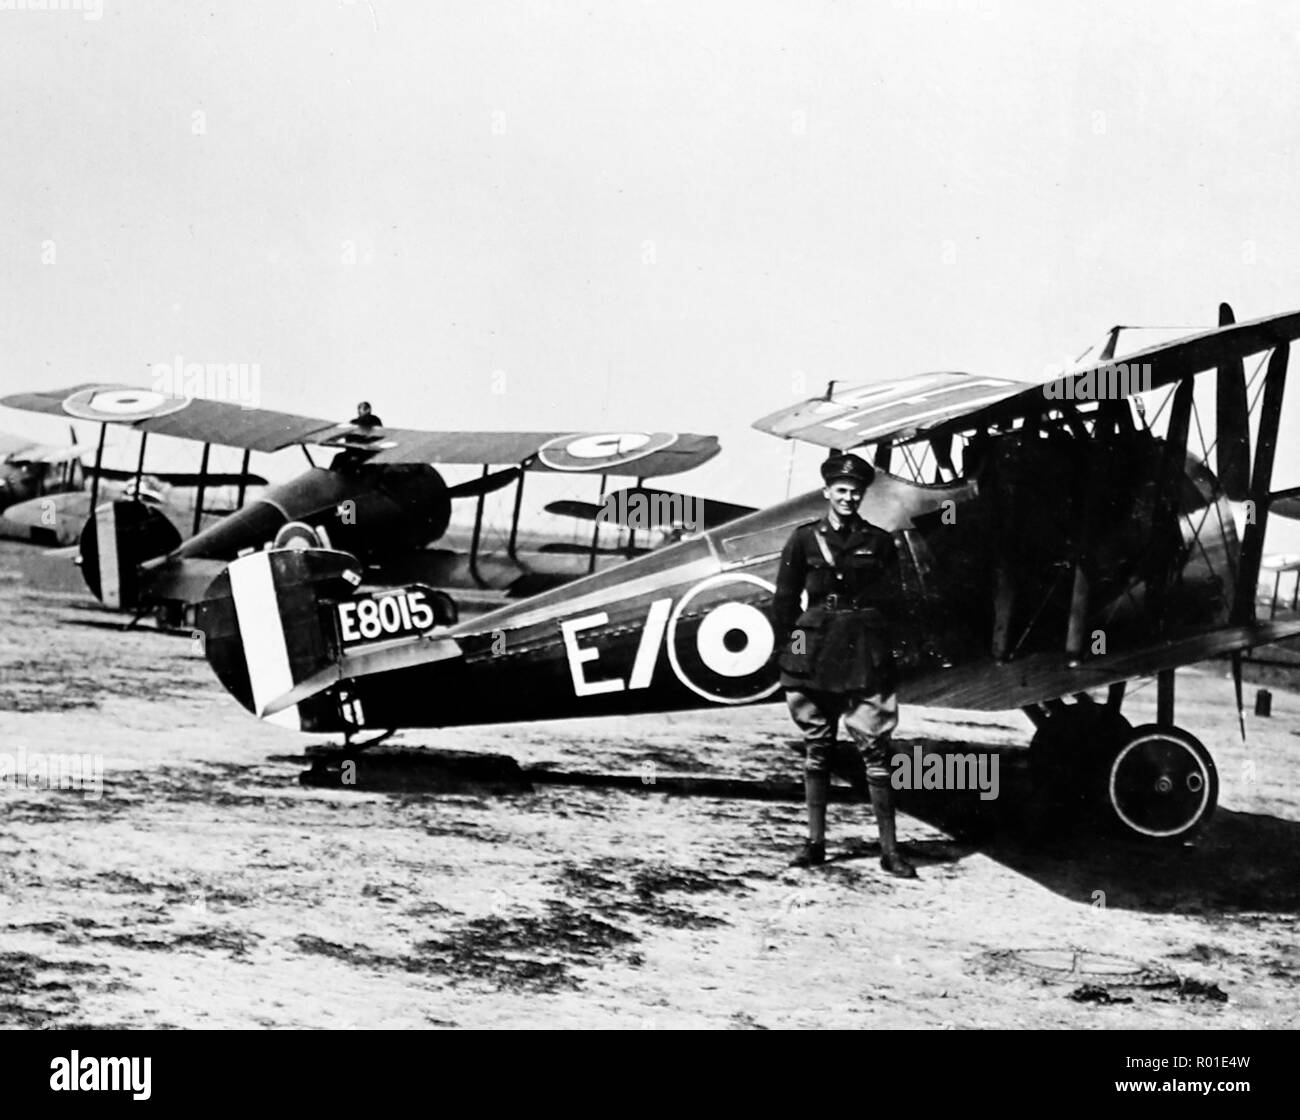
207,888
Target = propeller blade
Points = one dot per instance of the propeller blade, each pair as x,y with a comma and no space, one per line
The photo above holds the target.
1232,421
1285,503
1236,685
639,508
585,511
1180,418
488,483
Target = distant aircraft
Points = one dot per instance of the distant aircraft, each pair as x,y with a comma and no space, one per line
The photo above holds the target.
29,470
47,492
1052,544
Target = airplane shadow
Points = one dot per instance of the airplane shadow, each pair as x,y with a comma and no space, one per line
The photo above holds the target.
1240,862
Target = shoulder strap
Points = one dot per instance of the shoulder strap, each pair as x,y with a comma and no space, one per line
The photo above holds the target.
826,550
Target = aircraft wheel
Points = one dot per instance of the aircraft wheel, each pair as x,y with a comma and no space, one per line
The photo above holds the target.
1161,784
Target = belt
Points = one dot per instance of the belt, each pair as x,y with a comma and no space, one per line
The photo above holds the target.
837,602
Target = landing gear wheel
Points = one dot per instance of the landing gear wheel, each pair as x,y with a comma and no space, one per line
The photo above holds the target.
1161,784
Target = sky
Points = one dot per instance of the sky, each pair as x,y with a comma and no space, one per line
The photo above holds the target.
670,215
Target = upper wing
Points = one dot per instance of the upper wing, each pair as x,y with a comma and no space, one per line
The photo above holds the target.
893,411
638,454
220,422
938,403
1158,366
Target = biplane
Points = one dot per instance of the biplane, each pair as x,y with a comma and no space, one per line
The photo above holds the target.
47,493
29,470
1057,543
380,499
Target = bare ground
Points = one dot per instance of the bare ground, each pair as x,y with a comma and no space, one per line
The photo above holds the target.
207,888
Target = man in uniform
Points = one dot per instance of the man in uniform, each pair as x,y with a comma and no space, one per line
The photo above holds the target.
836,657
365,418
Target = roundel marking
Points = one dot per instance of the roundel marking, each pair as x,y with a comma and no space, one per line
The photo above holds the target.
120,403
602,450
732,645
295,534
716,635
613,443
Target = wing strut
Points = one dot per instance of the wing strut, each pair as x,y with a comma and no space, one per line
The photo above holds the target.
1236,687
139,465
1252,544
942,448
478,533
203,482
595,532
1081,587
1232,420
243,478
512,544
99,462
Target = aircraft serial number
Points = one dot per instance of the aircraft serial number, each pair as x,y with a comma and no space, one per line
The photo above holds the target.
387,616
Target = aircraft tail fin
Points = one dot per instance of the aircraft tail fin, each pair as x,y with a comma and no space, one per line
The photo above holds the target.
116,541
280,628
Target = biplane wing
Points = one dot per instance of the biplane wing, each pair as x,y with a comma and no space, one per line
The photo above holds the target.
633,454
1039,677
205,421
1160,365
228,424
937,404
887,411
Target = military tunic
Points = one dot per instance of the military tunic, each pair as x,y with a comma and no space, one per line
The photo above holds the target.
840,642
836,656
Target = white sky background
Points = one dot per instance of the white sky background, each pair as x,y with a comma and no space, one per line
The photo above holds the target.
661,216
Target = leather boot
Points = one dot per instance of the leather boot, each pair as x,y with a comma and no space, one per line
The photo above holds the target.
882,804
817,789
849,765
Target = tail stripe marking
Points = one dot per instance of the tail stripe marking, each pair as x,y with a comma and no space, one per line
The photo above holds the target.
110,579
261,632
